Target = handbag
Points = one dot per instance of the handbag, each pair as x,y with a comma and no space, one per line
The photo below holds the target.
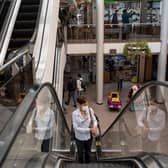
72,133
91,125
72,142
97,135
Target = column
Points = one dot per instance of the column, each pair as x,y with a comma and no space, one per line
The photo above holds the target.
162,60
144,11
99,49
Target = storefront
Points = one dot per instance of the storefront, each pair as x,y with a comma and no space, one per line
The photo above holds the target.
139,11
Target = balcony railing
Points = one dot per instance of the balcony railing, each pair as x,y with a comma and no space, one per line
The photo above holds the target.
114,32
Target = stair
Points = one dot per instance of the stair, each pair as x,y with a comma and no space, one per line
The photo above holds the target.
24,25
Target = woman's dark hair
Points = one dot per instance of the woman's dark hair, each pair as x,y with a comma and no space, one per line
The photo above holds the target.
79,75
82,99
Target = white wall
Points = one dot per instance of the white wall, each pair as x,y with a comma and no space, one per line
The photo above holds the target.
60,78
48,42
90,48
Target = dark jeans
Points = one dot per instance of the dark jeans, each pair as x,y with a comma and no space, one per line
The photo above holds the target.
84,148
45,146
119,84
71,94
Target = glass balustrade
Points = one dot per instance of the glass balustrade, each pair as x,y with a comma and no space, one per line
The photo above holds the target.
143,125
43,130
114,32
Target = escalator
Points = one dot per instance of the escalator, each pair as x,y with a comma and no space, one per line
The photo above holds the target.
124,144
22,39
24,25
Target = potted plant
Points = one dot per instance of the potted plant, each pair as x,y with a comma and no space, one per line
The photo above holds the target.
135,53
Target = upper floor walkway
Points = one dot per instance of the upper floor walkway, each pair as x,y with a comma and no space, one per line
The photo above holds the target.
82,38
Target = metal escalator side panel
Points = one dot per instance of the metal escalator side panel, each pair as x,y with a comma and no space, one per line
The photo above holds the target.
44,49
8,29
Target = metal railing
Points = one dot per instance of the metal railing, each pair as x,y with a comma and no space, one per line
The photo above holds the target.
114,32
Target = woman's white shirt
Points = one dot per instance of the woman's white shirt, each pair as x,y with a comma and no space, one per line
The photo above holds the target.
155,123
81,124
44,124
79,85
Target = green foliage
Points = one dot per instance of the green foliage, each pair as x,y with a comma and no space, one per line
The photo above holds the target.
136,48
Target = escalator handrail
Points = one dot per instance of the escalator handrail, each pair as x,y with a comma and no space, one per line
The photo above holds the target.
6,26
158,163
45,20
124,110
33,38
19,55
12,129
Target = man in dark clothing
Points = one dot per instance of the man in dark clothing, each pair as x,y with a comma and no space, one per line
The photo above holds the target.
115,19
125,20
119,79
125,17
71,87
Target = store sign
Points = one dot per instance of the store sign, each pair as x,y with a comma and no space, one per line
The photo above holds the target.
113,51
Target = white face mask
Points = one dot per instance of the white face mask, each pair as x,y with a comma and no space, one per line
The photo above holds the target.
85,108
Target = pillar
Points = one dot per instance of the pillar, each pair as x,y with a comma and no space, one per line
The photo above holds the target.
99,49
162,60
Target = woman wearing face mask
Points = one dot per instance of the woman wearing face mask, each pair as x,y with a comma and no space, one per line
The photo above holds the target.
81,119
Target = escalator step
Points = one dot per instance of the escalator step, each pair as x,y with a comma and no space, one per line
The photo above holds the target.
16,43
25,24
30,1
27,16
22,33
29,8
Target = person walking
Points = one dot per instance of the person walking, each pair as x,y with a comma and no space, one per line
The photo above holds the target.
42,121
79,85
119,79
71,87
125,17
125,21
115,19
84,125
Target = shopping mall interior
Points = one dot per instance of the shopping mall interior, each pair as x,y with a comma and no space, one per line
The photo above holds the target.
111,53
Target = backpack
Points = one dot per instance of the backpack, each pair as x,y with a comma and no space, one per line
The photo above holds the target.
83,85
71,85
